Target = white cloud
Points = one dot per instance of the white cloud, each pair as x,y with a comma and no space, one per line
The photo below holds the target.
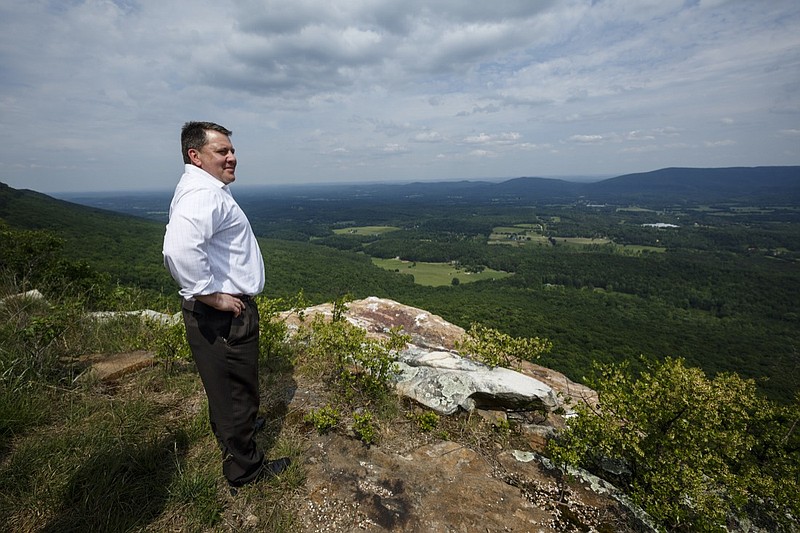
590,139
493,139
428,137
718,144
91,88
394,148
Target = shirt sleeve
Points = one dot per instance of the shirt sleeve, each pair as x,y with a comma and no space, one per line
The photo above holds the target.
188,233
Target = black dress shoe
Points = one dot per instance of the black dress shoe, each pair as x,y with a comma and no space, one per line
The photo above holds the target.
269,470
274,468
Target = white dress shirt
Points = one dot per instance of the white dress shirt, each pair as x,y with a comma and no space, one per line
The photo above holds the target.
209,245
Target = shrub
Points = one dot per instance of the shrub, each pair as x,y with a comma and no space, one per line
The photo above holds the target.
365,428
273,332
33,259
170,343
426,421
361,369
495,348
691,450
323,419
41,339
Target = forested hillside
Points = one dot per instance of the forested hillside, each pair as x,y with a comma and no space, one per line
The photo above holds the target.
127,248
715,283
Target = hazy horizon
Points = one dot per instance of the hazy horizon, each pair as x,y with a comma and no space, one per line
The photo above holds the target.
238,184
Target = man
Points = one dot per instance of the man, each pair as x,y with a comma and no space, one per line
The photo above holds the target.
210,250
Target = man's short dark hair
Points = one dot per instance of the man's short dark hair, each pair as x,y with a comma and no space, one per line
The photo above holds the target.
193,136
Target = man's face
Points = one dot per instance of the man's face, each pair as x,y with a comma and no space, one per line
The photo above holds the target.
216,157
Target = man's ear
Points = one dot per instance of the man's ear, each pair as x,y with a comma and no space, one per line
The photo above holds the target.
194,157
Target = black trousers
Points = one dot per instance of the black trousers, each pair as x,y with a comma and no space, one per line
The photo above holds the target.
225,349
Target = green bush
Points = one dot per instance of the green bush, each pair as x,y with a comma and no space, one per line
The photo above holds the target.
691,450
323,419
34,259
364,427
361,369
495,348
170,343
273,332
426,421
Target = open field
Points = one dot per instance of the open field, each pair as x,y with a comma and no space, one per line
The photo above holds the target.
518,235
365,230
524,234
436,274
520,239
635,209
583,241
636,248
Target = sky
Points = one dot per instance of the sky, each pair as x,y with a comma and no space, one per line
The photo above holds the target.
93,93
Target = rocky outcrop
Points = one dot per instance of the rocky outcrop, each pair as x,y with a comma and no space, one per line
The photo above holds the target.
442,487
145,314
379,315
111,367
33,295
416,482
433,374
445,382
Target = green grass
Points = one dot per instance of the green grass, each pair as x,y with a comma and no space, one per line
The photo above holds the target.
636,249
518,235
103,464
139,458
133,455
365,230
527,234
138,454
582,241
437,274
635,209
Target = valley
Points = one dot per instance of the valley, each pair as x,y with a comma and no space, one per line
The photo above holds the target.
715,281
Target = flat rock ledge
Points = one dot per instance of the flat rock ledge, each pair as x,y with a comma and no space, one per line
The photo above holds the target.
432,374
111,367
445,382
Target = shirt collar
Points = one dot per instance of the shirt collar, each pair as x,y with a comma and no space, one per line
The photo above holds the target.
200,173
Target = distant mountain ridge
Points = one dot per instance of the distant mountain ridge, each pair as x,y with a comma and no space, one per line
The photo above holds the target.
668,185
778,185
665,186
700,184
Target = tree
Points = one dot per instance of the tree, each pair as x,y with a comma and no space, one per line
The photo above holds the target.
33,259
692,451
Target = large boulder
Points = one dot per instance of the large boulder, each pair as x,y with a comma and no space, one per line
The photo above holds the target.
433,374
445,382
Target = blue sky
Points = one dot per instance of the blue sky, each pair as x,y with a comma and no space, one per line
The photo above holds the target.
93,92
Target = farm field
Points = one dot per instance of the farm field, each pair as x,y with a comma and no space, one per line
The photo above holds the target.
527,234
365,230
437,274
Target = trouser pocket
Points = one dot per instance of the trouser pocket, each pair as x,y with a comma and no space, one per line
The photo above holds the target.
212,324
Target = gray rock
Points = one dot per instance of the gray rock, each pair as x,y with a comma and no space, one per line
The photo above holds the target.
21,297
431,373
445,382
162,319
